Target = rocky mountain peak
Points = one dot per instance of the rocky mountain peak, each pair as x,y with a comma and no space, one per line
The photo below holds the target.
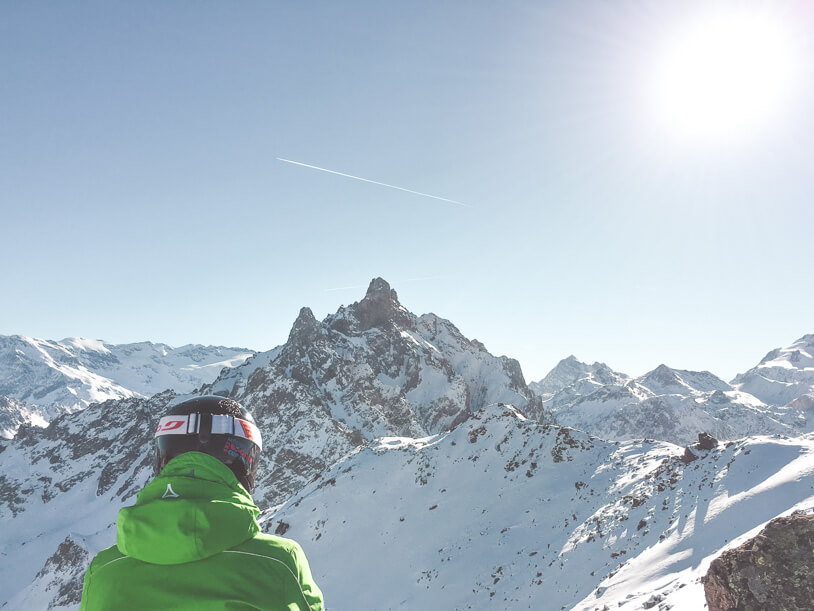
380,286
305,328
380,307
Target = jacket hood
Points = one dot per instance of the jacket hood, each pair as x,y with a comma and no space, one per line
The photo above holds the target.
194,509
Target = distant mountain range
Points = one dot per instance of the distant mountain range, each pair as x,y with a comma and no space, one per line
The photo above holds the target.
775,397
395,445
47,378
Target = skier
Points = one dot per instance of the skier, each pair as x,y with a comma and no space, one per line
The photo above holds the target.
192,540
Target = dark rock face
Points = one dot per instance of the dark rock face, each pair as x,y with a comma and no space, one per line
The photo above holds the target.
688,456
706,441
381,307
775,570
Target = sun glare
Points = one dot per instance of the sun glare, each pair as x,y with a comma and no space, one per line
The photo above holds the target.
722,78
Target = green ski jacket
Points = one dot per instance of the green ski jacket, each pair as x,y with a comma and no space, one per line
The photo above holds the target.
192,541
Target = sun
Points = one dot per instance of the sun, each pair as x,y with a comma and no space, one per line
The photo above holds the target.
722,77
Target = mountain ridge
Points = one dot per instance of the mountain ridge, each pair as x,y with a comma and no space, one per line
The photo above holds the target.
52,377
676,404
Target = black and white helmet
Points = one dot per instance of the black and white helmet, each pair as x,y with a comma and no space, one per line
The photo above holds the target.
213,425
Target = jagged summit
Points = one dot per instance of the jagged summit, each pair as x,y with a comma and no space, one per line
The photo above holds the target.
304,328
380,307
379,369
381,286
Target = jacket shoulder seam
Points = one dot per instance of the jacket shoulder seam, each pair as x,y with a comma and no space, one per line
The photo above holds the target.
296,579
111,562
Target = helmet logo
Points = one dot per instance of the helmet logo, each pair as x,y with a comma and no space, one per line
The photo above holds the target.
170,425
169,493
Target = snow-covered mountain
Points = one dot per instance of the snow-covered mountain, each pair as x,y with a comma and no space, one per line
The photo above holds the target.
667,404
783,375
572,379
391,449
504,512
383,370
52,377
499,509
578,377
371,369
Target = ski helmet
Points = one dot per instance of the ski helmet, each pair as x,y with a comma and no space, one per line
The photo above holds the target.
213,425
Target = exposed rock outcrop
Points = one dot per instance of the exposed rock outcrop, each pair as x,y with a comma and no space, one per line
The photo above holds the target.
706,442
775,570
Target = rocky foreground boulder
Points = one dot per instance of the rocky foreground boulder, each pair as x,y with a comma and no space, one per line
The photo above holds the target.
774,570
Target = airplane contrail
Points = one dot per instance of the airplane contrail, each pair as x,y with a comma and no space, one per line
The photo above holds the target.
375,182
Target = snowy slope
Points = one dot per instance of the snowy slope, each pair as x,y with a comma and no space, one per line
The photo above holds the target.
783,375
505,513
667,404
57,376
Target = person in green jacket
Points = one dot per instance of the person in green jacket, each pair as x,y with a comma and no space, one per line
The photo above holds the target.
192,540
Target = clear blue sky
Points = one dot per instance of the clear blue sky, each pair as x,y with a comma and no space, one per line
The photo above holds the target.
141,199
